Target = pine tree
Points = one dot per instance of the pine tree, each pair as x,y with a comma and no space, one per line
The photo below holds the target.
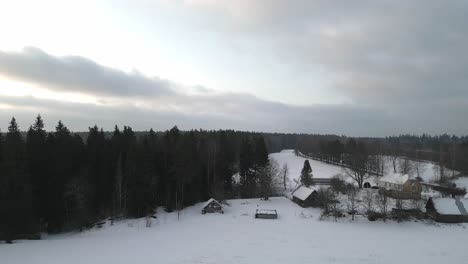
306,174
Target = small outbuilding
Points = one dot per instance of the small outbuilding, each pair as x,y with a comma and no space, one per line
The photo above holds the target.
306,196
448,210
266,214
212,206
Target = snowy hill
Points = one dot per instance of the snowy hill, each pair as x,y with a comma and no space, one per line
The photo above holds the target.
297,236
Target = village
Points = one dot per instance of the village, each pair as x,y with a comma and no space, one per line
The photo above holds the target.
393,196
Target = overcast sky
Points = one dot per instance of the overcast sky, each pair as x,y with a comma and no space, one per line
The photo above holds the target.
361,68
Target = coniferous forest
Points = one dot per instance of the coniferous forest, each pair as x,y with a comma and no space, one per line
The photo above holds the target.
53,182
59,181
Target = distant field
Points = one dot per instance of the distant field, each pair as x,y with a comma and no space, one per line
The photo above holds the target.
429,172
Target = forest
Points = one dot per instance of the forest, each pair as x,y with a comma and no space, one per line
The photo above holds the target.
59,181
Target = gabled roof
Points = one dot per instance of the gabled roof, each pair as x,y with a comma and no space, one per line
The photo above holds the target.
303,192
210,201
396,178
449,206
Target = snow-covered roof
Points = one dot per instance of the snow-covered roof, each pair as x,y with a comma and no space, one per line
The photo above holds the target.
396,178
266,211
303,192
210,201
449,206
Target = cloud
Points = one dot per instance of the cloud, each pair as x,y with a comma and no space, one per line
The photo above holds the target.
391,95
379,52
78,74
239,112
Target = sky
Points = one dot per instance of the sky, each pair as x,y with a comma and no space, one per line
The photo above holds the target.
360,68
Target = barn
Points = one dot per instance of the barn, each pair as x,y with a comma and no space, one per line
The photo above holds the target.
306,196
212,206
448,210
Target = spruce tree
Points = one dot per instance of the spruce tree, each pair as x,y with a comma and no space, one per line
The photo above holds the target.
37,158
15,191
14,144
306,174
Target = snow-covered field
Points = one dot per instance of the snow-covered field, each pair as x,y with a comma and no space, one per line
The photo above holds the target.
428,171
296,163
297,236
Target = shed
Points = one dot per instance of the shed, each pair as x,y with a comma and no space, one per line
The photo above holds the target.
306,196
266,214
447,210
212,206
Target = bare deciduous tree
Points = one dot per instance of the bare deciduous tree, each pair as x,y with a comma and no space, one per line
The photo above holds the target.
418,166
382,202
405,166
399,207
369,201
352,200
358,163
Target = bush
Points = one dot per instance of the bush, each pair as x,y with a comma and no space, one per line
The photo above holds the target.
373,216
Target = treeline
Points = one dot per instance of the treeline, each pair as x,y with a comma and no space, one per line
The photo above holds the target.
448,151
56,181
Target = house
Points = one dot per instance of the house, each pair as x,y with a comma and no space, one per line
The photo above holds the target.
212,206
306,196
393,181
266,214
399,186
447,210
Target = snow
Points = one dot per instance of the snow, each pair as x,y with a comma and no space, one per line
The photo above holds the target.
236,237
266,211
210,201
428,171
448,206
296,163
395,178
302,192
461,182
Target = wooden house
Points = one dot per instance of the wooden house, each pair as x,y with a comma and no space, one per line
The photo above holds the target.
399,186
448,210
212,206
266,214
306,196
